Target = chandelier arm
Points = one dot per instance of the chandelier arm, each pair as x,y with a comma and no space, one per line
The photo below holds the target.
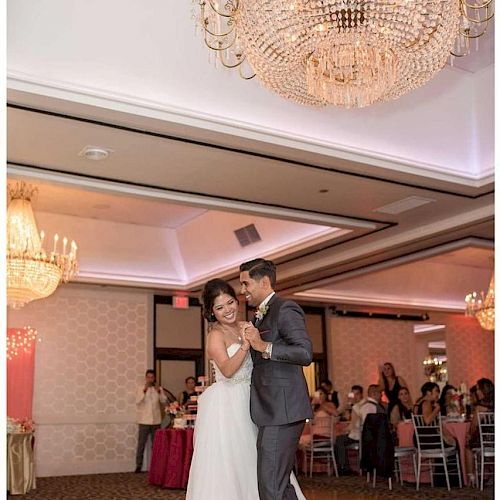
472,37
228,65
485,5
214,8
218,34
479,21
220,47
458,55
242,75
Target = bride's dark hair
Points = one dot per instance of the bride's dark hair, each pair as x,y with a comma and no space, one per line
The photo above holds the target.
211,291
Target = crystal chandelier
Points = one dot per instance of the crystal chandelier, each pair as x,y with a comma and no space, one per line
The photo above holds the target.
349,53
482,307
32,273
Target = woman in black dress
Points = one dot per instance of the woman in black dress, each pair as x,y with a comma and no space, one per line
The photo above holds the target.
391,384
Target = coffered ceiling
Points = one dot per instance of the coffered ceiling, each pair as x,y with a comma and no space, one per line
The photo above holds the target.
197,153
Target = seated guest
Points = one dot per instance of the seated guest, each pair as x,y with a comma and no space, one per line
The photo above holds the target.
473,400
359,411
185,395
427,406
485,391
403,408
322,408
333,396
447,403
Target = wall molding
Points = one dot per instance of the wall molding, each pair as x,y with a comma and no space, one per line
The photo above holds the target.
115,101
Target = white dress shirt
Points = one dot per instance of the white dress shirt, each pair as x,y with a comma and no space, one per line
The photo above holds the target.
264,303
359,412
266,300
148,405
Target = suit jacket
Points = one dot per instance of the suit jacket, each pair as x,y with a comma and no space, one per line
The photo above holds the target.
377,447
279,394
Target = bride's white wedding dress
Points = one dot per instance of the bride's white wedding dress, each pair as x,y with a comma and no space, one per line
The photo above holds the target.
224,464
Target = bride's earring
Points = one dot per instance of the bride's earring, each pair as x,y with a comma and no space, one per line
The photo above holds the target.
212,317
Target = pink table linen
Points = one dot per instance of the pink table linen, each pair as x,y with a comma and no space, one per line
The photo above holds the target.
405,434
171,458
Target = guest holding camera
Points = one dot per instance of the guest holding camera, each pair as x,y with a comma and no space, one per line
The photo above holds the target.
148,401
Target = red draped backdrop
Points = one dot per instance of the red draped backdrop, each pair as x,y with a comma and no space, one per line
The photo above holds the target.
20,378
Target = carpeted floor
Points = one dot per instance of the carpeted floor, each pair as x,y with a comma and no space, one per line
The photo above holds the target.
129,486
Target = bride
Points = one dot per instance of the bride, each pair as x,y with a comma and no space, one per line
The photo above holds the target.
224,464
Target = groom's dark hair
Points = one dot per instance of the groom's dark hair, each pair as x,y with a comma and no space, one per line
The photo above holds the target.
258,268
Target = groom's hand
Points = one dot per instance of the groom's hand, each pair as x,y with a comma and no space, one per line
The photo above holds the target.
253,336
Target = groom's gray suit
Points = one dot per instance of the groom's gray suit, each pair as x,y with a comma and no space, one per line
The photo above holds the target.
279,401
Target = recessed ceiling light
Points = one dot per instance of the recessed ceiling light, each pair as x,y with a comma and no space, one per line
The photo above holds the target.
95,153
323,191
403,205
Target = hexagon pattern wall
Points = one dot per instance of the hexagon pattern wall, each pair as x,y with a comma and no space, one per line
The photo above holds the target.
357,347
470,349
92,356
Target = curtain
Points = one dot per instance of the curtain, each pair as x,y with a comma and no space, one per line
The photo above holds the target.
20,378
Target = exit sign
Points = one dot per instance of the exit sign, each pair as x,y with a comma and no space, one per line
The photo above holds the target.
180,302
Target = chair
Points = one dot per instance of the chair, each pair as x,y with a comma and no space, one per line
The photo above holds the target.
377,448
356,447
322,443
403,452
430,446
486,421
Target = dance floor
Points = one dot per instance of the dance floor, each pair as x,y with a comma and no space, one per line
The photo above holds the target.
129,486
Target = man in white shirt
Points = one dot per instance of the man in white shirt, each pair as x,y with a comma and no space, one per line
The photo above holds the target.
148,399
360,410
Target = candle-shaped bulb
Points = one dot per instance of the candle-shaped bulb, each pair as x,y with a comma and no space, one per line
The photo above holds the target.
65,242
56,239
42,236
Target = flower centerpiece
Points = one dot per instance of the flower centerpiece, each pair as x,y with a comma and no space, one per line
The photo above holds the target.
20,425
177,412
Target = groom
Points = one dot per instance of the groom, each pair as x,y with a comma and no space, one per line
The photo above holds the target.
279,401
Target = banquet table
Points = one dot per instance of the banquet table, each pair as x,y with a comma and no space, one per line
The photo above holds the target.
457,429
20,463
171,458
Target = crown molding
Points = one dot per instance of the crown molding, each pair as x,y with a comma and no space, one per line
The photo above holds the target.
116,101
385,301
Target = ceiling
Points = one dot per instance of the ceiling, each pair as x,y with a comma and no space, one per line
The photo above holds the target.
153,64
197,153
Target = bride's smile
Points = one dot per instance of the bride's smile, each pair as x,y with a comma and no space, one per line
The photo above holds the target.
225,309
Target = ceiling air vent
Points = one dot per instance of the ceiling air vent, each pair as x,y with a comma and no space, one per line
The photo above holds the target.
403,205
247,235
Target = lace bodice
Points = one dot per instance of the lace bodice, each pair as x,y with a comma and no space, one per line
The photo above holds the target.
244,372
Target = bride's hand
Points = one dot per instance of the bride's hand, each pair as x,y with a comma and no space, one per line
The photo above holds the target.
243,326
245,344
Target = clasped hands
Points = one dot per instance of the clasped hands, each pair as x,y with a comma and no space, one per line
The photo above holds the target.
251,335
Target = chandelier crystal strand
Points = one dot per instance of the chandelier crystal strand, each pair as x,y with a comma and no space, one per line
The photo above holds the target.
32,273
482,306
349,53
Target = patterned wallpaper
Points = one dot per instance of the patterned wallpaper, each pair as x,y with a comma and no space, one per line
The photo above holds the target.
92,356
357,346
470,349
